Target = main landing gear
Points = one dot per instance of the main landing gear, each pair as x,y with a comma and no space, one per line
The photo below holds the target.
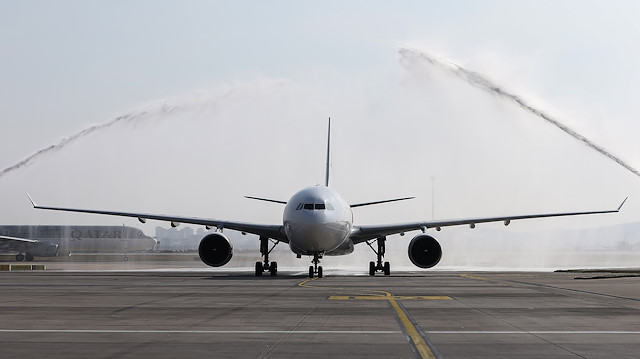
379,266
266,266
315,268
22,257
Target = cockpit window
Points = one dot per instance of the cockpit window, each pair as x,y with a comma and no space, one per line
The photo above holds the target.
316,206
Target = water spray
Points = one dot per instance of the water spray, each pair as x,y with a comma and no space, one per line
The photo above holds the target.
134,116
67,141
477,80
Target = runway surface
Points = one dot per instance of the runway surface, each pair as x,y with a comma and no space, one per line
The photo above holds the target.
232,314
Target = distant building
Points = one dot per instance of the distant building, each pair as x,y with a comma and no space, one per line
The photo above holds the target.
185,239
174,239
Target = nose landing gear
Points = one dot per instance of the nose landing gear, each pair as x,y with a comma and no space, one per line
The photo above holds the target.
379,266
315,268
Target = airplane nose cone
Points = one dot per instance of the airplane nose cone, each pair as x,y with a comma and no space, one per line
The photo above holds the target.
150,242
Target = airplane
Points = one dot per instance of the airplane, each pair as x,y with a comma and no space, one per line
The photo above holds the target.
317,221
51,241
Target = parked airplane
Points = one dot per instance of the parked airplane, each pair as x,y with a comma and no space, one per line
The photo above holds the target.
318,222
50,241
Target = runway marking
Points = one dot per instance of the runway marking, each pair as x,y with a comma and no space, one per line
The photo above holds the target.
366,332
575,332
380,297
151,331
417,340
411,330
472,277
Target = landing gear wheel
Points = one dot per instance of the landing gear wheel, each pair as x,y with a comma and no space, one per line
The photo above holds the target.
273,268
311,271
28,257
378,265
19,257
259,269
125,258
319,272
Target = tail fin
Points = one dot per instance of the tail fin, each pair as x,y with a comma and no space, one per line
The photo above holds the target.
326,179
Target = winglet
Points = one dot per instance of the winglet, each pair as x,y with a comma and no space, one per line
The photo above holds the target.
32,202
622,204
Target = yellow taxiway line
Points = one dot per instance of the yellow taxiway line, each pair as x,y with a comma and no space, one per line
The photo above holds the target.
410,329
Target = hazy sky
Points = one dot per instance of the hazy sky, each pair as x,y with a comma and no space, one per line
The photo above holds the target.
232,99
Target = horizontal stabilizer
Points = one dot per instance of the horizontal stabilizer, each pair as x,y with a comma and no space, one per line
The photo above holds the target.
378,202
266,199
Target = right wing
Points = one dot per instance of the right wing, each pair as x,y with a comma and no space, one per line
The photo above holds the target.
272,231
361,234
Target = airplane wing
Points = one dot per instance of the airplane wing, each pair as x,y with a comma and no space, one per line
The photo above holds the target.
272,231
361,234
22,240
15,243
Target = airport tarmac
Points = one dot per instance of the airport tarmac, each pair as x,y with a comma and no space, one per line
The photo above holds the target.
232,314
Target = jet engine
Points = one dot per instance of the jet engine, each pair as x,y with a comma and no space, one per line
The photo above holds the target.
424,251
215,250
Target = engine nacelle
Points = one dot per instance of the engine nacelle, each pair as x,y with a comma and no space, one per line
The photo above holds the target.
215,250
424,251
43,249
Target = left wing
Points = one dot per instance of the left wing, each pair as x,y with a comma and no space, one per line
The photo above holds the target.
364,233
272,231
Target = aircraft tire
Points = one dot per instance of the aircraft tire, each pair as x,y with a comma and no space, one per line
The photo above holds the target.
259,269
387,268
319,272
125,258
310,271
273,268
28,257
372,268
19,257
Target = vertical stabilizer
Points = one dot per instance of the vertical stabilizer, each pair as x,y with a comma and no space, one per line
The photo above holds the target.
326,179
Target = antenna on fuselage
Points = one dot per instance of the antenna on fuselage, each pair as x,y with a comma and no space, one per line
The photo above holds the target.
326,179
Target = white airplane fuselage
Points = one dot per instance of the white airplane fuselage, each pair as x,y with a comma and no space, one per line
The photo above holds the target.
318,221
